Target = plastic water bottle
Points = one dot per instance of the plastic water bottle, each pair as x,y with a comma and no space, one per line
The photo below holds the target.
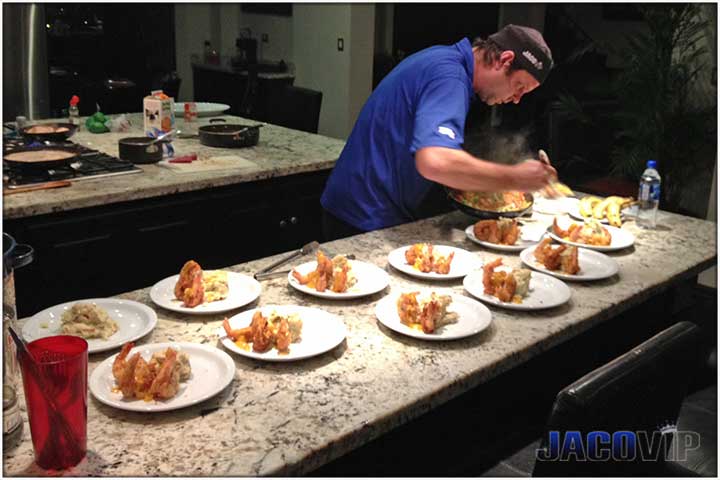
649,196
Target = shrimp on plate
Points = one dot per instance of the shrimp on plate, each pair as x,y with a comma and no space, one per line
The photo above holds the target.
187,275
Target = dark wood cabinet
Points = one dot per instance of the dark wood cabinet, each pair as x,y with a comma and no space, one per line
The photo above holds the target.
111,249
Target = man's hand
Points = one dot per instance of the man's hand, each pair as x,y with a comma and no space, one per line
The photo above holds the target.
532,175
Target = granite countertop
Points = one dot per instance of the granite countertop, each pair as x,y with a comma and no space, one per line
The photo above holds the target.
279,152
290,418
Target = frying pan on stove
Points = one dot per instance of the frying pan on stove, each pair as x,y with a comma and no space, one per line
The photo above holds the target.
46,156
62,132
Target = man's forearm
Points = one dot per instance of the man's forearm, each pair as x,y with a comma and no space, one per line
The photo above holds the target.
458,169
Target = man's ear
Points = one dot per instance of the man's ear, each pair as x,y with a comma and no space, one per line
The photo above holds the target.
506,58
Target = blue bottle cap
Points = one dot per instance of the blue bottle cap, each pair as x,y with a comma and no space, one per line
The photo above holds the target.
651,164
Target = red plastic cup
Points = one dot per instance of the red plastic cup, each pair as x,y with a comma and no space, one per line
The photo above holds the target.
56,398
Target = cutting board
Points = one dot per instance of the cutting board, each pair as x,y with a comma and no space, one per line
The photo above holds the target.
220,162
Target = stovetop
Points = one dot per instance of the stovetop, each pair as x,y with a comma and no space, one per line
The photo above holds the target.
91,164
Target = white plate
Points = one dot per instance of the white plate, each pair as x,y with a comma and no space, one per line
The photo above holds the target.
593,265
473,317
321,332
555,206
204,109
242,290
619,238
463,263
575,213
370,279
521,244
212,371
544,292
134,321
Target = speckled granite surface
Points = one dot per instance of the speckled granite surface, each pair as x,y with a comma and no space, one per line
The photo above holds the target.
279,152
285,419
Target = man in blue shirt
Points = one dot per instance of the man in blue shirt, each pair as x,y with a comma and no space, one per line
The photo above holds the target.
409,134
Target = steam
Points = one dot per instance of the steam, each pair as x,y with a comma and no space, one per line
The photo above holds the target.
500,147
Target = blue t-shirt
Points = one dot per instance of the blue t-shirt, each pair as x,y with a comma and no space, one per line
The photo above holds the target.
422,102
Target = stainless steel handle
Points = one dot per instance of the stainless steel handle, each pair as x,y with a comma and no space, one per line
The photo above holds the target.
267,275
283,223
310,247
294,220
283,273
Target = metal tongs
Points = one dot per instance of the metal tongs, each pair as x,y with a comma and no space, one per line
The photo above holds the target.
267,272
552,189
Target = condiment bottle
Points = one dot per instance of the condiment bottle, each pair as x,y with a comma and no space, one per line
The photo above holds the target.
74,111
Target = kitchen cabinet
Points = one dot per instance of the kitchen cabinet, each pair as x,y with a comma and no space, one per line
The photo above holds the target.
104,250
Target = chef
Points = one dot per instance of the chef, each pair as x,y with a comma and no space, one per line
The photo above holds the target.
409,133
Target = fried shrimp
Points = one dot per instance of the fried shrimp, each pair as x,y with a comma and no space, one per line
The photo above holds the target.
423,257
167,382
507,290
504,231
185,280
488,271
563,257
264,333
487,231
408,307
442,264
507,287
148,380
261,334
427,314
335,274
195,293
283,337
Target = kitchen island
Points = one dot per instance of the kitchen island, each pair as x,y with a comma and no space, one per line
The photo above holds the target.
280,152
150,217
288,419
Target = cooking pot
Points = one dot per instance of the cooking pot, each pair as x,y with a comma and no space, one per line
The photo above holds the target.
229,135
52,137
40,164
141,149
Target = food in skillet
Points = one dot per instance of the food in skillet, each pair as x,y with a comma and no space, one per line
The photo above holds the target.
335,274
267,332
563,257
510,201
506,286
32,156
503,231
38,129
195,286
598,208
422,257
429,313
591,233
87,321
157,379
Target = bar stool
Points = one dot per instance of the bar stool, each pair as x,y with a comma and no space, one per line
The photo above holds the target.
640,391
